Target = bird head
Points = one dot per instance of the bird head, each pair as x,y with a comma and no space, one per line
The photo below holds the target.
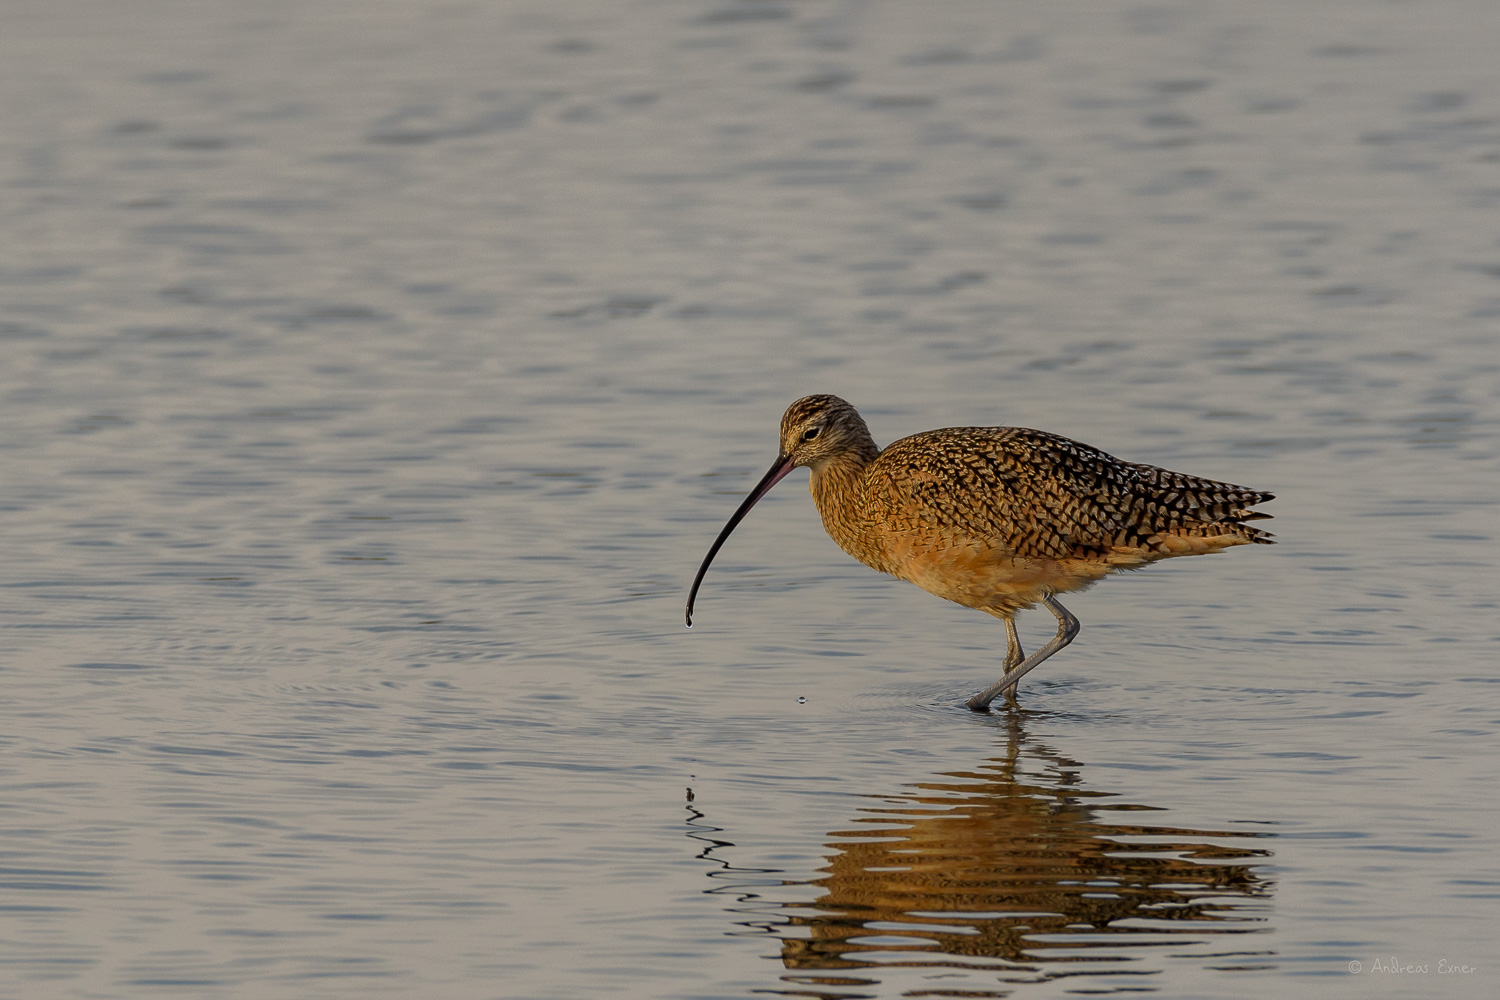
817,428
814,431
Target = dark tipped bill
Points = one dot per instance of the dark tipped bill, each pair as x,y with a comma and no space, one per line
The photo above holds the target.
778,472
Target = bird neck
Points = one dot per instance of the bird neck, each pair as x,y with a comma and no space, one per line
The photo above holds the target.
838,489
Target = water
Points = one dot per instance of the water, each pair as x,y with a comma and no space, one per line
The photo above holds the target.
376,374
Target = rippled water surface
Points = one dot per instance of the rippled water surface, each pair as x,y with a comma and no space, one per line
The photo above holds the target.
374,375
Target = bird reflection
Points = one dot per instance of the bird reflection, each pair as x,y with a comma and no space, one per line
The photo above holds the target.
1013,867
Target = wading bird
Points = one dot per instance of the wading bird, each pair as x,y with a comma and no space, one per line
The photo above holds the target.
996,518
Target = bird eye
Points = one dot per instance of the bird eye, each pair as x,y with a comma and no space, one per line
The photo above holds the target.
810,433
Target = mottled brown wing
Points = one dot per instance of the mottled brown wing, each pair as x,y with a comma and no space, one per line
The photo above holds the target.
1046,496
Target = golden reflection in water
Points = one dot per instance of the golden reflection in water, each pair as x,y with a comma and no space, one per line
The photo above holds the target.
1013,869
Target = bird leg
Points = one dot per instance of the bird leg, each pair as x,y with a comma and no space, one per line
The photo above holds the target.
1014,657
1067,630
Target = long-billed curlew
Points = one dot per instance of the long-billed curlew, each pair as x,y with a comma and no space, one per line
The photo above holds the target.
996,518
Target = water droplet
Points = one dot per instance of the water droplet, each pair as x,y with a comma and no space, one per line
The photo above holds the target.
801,700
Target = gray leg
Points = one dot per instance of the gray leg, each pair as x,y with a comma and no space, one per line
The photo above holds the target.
1013,658
1014,655
1067,631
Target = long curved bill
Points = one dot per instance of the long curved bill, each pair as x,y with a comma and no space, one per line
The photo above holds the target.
778,472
